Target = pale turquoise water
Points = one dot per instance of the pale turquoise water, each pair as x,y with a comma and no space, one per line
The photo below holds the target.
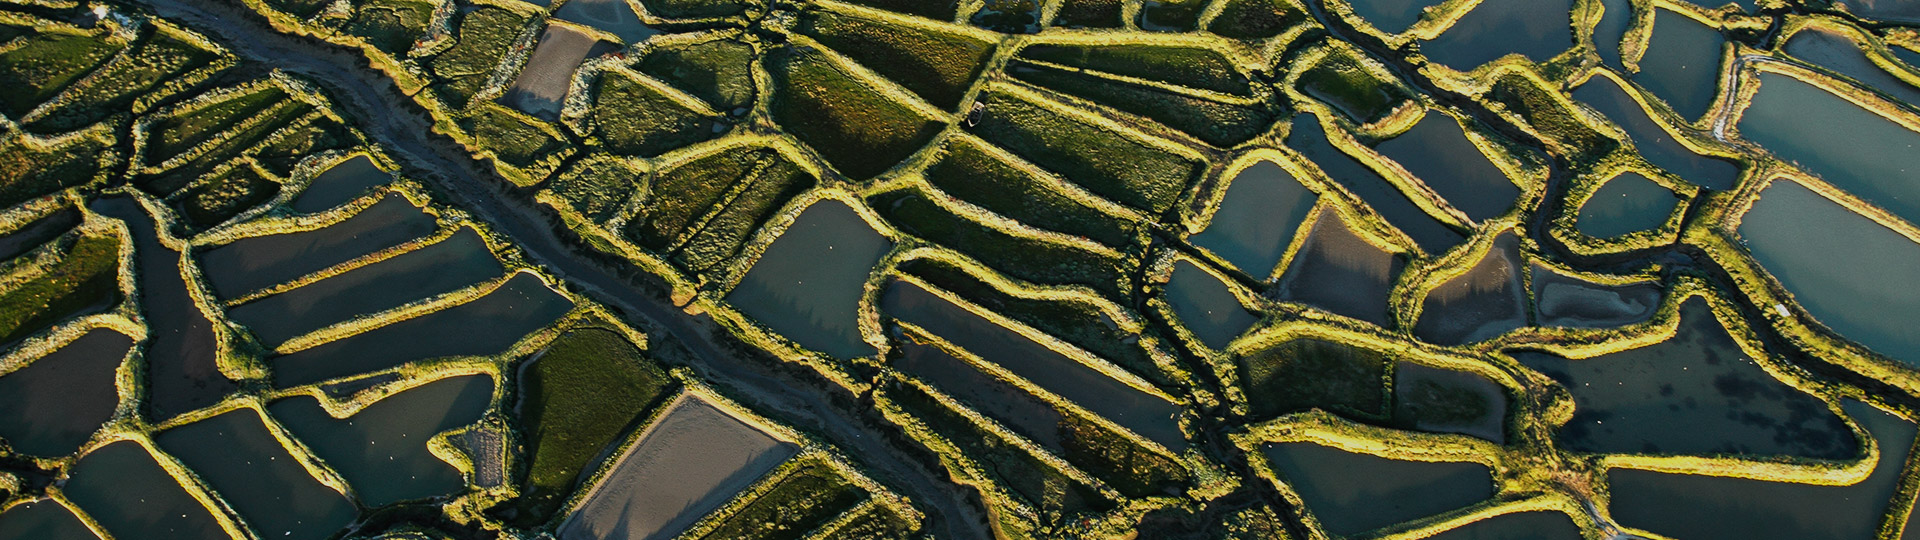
1257,218
1853,148
1682,63
1437,151
1838,264
1535,29
1626,203
1836,51
808,284
1206,306
1652,141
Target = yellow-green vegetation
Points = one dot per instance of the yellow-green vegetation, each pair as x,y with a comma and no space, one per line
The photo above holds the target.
226,194
1524,97
708,207
1020,256
937,63
391,25
577,397
1121,461
159,64
1011,469
31,168
1256,19
716,70
1216,121
977,173
1306,374
484,37
1123,169
48,61
85,272
857,128
296,142
175,134
1345,82
1080,322
799,503
597,186
633,116
1183,65
514,138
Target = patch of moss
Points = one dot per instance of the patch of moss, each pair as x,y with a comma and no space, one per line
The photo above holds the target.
484,37
1078,323
304,9
86,274
719,239
229,194
937,65
1311,373
801,502
45,64
1176,64
156,59
174,134
717,71
859,130
1214,122
631,117
596,186
1256,19
969,172
1129,468
245,140
875,523
513,139
939,10
575,399
391,25
27,172
297,142
1550,117
1342,81
1089,14
1106,163
1018,256
1170,15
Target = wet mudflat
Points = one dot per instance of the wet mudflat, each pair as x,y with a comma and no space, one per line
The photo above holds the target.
1489,299
1838,264
690,461
1338,271
1565,300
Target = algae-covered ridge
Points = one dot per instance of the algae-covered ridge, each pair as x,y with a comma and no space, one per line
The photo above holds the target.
820,269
